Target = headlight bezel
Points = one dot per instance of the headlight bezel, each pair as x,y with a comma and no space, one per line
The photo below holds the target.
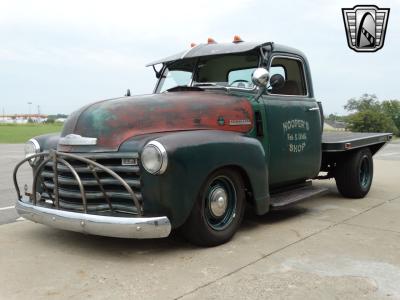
36,147
162,152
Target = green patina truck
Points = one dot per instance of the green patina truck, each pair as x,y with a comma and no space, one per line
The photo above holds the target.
228,126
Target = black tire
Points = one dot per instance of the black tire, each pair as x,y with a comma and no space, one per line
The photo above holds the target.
203,227
354,174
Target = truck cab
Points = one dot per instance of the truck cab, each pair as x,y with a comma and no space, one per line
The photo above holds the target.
229,127
288,116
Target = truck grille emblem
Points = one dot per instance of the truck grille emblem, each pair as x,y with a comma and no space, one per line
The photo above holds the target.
365,27
129,162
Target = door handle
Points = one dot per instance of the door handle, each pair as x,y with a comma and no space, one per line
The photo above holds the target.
313,109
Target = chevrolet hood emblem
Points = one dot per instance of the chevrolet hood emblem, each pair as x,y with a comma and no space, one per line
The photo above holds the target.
77,140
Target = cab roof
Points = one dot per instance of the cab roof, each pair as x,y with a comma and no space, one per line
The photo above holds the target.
223,48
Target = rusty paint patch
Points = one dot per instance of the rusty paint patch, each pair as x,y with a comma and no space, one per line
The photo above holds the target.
117,120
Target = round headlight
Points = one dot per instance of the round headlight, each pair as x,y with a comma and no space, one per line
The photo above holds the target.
154,158
32,147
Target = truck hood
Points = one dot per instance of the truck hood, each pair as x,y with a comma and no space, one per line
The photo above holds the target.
116,120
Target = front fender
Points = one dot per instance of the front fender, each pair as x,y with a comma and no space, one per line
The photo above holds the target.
192,156
48,141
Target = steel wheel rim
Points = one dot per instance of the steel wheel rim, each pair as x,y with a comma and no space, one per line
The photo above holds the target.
365,172
219,216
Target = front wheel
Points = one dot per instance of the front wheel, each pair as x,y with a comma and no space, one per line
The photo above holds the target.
218,211
354,174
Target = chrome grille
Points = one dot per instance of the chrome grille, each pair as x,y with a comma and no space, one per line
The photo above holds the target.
102,191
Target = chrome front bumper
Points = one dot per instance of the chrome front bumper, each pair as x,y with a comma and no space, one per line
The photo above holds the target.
122,227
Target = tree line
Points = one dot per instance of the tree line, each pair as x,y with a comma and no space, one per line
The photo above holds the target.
368,114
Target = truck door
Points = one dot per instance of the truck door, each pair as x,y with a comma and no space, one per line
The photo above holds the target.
293,123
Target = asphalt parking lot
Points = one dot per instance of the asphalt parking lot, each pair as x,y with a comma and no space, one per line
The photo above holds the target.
325,248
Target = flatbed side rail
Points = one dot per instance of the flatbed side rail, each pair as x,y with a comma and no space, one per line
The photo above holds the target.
59,157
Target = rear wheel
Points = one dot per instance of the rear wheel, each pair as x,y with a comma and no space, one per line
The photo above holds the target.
218,210
354,174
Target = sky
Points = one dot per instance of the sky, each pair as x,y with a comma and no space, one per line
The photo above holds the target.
61,55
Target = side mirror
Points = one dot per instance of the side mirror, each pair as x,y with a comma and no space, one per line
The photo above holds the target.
260,77
277,81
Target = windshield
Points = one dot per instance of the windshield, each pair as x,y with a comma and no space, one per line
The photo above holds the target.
227,70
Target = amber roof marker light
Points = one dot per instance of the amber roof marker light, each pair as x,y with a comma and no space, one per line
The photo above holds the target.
237,39
210,40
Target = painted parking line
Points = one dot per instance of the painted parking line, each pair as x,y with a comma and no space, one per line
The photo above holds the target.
389,154
7,207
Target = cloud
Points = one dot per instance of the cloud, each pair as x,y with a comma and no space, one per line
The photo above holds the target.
112,34
47,46
121,18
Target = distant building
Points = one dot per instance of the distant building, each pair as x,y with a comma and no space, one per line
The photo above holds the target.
332,125
6,119
22,118
61,120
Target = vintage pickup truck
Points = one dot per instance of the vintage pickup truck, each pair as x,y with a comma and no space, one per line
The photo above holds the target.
228,126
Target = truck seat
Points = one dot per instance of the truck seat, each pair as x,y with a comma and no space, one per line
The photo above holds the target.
290,88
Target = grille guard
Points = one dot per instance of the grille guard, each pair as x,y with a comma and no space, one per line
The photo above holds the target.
58,157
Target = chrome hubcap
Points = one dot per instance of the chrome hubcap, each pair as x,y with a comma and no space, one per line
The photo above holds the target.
364,172
220,203
218,200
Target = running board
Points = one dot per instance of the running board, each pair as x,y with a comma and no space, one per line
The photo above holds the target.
284,199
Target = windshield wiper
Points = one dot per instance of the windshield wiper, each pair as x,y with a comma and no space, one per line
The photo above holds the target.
205,84
183,88
210,84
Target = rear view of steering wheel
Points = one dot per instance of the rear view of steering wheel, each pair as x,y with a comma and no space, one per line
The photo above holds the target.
240,81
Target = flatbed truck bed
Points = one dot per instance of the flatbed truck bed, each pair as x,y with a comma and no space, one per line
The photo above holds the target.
345,141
